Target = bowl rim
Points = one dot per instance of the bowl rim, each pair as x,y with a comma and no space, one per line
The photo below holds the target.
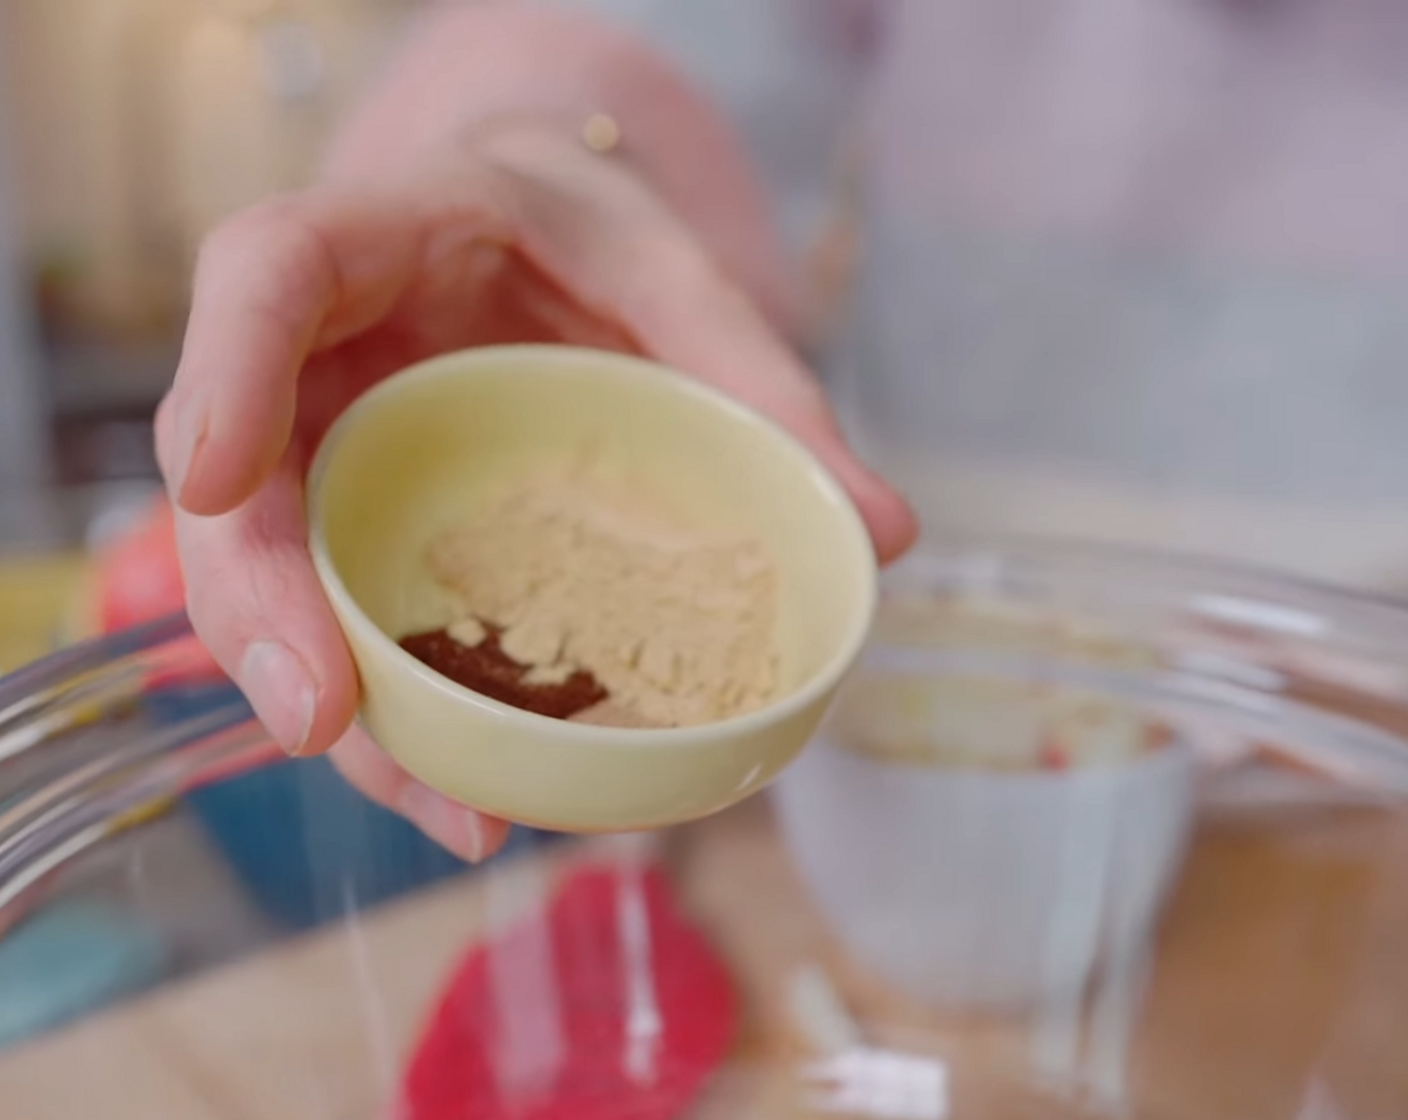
1274,601
1176,756
1264,627
477,360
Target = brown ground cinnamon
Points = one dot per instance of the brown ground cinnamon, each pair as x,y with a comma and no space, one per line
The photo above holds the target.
487,669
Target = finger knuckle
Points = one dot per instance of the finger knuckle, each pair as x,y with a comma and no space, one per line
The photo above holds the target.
281,231
266,223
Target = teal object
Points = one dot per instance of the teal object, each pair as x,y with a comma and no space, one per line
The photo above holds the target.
310,848
70,959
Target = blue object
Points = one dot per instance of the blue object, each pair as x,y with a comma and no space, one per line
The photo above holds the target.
69,959
311,848
307,845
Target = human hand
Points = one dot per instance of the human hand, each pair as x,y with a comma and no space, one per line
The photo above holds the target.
304,302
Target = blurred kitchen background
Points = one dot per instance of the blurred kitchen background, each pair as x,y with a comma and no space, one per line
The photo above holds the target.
127,128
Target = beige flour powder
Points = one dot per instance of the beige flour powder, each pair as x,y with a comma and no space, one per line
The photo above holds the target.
677,626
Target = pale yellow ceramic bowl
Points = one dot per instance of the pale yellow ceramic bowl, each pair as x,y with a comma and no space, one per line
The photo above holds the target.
423,451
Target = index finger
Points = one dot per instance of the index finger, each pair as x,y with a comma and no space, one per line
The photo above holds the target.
273,285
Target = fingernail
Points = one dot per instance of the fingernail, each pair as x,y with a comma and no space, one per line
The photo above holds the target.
449,825
186,440
474,842
280,688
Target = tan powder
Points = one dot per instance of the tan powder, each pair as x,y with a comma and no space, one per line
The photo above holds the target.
677,626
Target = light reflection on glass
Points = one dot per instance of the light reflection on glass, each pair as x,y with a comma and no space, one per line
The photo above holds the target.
881,1083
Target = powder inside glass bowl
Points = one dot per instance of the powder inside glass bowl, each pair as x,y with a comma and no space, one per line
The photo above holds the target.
936,705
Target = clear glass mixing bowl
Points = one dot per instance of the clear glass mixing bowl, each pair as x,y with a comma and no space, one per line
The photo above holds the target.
913,924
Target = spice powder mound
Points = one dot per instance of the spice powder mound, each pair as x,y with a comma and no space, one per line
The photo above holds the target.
581,602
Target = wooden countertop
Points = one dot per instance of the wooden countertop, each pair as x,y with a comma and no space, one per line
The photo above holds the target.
1280,978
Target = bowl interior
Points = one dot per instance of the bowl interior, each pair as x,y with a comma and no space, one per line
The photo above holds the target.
424,452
